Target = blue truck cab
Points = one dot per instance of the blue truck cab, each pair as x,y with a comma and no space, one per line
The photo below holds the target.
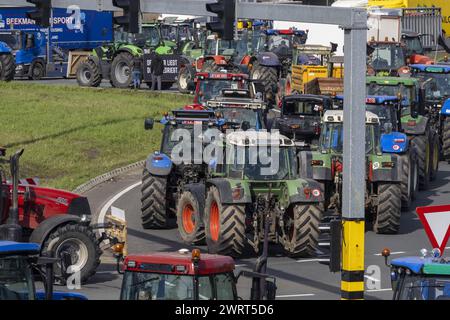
17,262
425,277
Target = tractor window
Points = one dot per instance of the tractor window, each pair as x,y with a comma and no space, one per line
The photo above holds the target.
425,288
375,89
387,58
210,89
16,281
152,36
225,286
442,81
12,40
239,115
332,138
413,46
293,108
385,114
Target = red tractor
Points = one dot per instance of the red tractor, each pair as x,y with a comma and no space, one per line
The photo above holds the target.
57,220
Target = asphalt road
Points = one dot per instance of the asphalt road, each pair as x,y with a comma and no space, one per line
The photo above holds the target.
296,279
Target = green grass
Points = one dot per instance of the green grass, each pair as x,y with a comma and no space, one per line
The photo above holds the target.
72,134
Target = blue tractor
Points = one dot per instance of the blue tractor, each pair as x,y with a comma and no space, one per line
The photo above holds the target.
19,263
420,278
7,63
436,81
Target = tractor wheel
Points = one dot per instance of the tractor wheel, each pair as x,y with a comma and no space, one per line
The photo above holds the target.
388,209
446,139
121,70
225,226
301,230
37,71
422,146
7,67
434,161
88,74
185,76
154,209
189,220
409,176
268,77
210,66
82,245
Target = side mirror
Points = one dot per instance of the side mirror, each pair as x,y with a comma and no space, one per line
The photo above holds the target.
388,127
245,126
149,123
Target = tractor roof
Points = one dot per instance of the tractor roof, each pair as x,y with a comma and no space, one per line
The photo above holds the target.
431,69
221,76
258,138
17,248
186,116
178,263
337,116
392,81
306,97
425,266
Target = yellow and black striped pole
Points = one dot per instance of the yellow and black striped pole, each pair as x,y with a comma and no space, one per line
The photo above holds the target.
352,275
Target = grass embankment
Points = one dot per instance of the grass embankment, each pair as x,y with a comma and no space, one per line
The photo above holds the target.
72,134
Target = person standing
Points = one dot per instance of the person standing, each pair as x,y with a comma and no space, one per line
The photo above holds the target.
157,67
137,69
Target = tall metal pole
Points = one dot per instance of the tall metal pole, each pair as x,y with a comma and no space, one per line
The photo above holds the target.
352,276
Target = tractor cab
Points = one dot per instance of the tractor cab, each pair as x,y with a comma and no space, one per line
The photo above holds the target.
438,78
386,58
420,278
415,50
280,42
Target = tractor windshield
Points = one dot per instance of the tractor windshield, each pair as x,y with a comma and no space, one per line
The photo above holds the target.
152,36
16,280
384,113
209,88
154,286
12,40
256,164
332,141
375,89
239,115
442,87
170,139
424,288
387,57
302,108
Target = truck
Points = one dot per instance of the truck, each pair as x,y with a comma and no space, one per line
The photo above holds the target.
50,52
425,277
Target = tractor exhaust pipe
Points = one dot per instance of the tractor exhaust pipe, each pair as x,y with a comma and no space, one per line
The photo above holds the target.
12,231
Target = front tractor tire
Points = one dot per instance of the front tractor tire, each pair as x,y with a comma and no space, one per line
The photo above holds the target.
301,230
189,219
154,202
7,67
121,70
423,149
225,226
388,211
80,242
269,78
88,74
446,139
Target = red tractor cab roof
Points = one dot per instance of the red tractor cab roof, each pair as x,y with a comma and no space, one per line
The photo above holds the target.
178,263
221,76
196,107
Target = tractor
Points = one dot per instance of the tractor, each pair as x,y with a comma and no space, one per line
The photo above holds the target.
437,96
301,116
58,221
19,262
383,173
415,123
425,277
250,199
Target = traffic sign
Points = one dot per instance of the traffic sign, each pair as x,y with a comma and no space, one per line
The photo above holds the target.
436,222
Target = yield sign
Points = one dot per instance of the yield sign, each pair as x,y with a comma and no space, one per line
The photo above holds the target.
436,221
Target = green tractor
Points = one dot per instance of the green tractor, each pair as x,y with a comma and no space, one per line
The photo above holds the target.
414,122
382,191
248,200
114,61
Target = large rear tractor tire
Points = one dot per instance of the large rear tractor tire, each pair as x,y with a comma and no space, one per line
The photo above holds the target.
269,78
88,74
301,234
80,242
389,209
446,139
225,226
189,219
7,67
185,76
154,209
423,149
434,161
121,70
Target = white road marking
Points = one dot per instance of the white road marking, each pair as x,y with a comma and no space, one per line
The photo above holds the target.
379,290
309,260
372,278
392,253
105,208
296,295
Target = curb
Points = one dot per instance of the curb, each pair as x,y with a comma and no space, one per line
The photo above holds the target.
85,187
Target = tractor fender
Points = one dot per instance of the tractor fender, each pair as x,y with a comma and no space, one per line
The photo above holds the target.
394,142
308,191
198,190
268,59
420,127
445,110
158,164
134,51
4,48
44,229
225,191
394,174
